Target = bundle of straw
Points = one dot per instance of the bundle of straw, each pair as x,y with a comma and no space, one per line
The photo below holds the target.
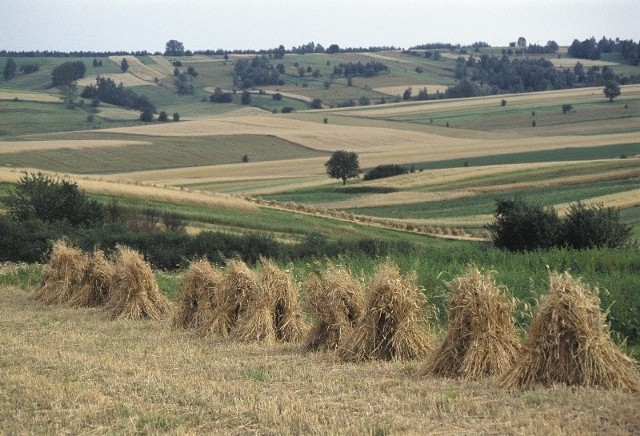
273,312
96,282
393,324
482,339
135,294
336,300
62,275
568,343
238,284
199,291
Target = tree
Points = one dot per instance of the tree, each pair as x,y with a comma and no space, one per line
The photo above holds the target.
176,116
146,116
68,92
245,99
48,199
343,165
611,90
518,226
422,94
594,226
124,65
567,108
67,72
316,103
522,42
162,116
9,71
174,48
406,95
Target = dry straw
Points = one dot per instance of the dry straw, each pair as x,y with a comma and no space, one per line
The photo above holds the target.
96,282
568,343
482,339
201,284
393,326
238,284
135,294
62,275
273,312
336,301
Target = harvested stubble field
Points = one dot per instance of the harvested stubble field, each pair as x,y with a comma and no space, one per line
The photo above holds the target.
73,371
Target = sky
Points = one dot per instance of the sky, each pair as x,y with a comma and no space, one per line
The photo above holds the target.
135,25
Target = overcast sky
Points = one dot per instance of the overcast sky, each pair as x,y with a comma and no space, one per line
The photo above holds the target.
131,25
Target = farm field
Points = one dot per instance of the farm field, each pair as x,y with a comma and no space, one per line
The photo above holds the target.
253,171
148,376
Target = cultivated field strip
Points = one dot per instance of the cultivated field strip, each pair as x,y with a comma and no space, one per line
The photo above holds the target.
128,188
10,94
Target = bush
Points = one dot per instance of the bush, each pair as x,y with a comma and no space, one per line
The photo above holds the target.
382,171
287,110
146,116
41,197
316,103
163,117
594,226
522,227
176,116
567,108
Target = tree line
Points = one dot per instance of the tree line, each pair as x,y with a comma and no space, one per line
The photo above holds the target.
592,49
106,90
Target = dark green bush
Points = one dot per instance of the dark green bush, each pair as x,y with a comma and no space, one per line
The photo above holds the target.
382,171
518,226
594,226
45,198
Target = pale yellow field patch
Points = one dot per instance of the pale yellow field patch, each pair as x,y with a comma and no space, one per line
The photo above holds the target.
147,73
127,188
117,113
571,62
383,57
10,94
127,79
398,109
25,146
290,95
164,65
399,89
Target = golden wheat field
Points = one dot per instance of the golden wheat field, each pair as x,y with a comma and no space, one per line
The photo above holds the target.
75,371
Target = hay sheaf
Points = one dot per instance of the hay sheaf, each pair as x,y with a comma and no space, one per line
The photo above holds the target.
239,283
273,312
336,301
96,282
568,343
62,275
201,284
135,294
481,340
393,325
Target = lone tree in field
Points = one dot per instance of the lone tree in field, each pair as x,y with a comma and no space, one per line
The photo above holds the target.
9,70
174,48
611,90
124,65
343,165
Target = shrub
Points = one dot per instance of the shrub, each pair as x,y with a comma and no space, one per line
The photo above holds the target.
176,116
519,226
146,116
503,102
38,196
382,171
163,117
594,226
287,109
567,108
316,103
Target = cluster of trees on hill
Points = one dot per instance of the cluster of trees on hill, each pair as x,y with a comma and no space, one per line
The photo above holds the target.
257,72
592,49
67,72
494,75
106,90
370,69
